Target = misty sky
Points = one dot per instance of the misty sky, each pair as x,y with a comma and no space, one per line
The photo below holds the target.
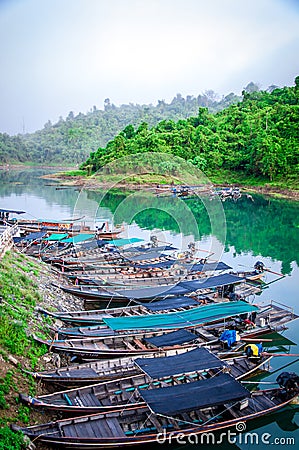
59,56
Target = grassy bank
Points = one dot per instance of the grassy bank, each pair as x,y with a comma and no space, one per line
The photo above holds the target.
19,296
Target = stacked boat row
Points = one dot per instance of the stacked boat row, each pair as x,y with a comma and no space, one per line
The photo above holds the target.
170,360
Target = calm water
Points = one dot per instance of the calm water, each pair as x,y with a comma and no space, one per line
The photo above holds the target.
240,233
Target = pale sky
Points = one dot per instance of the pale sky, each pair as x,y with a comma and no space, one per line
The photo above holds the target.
59,56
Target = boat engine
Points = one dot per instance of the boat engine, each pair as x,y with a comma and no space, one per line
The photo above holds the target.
259,266
288,380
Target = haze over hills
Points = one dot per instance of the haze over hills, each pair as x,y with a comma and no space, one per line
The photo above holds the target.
72,139
254,135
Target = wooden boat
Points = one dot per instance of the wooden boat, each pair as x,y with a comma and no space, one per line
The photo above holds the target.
167,272
124,393
93,294
71,226
96,316
269,318
151,343
192,408
96,371
112,369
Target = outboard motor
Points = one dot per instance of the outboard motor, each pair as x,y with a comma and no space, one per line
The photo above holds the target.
259,266
288,380
154,241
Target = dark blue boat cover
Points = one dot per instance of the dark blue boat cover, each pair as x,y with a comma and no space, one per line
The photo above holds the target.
196,395
30,237
170,303
139,249
152,292
146,255
173,338
211,282
190,267
195,360
12,211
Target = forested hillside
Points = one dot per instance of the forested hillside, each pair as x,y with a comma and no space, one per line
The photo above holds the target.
258,136
71,140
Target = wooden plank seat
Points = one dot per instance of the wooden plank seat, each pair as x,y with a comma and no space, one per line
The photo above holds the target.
77,373
88,399
100,428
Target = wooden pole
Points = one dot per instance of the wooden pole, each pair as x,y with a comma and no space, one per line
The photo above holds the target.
275,273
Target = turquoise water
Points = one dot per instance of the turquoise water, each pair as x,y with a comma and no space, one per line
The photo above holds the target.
239,233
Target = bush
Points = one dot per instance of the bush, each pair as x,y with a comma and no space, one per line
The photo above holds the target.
10,440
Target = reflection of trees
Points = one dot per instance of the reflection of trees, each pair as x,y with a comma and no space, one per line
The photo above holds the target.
28,182
267,227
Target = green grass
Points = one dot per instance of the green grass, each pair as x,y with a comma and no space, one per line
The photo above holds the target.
20,296
73,173
11,440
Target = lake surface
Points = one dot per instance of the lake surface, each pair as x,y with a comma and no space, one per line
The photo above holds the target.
239,233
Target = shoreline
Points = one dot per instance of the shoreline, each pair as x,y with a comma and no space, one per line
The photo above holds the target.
91,183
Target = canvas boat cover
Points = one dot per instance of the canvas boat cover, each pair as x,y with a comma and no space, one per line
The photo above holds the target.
190,267
147,255
78,238
211,282
11,211
195,360
181,288
139,249
147,292
56,237
192,317
30,237
174,338
170,303
121,242
200,394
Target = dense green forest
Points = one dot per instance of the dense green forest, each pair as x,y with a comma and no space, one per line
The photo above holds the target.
72,139
258,136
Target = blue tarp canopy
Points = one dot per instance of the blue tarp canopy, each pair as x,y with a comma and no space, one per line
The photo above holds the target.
211,282
121,242
174,338
196,395
141,249
190,267
11,211
150,292
170,303
146,255
30,237
78,238
194,360
181,288
183,319
56,237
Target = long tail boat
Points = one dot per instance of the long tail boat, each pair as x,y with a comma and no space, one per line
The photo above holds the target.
192,408
273,316
212,318
76,375
123,393
93,294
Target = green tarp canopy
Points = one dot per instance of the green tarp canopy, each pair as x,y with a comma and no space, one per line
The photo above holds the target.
183,319
120,242
56,237
78,238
